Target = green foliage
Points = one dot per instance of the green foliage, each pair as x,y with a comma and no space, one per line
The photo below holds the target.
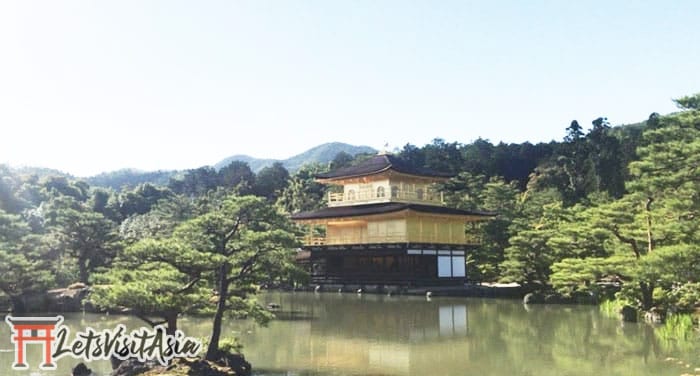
148,290
675,271
105,202
689,102
9,185
61,186
196,182
235,246
655,225
129,178
141,199
585,164
271,181
574,132
443,156
239,176
85,235
678,333
475,192
303,193
684,297
611,308
529,257
166,215
24,266
585,274
144,226
512,162
161,278
342,159
229,345
250,243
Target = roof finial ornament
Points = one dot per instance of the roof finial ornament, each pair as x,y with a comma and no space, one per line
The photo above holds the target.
385,149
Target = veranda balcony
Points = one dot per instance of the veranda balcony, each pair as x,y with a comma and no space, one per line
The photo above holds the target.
429,196
316,240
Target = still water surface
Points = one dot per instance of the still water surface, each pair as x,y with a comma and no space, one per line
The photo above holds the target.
349,334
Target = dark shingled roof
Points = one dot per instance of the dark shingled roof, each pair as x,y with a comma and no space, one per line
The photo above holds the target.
380,163
382,208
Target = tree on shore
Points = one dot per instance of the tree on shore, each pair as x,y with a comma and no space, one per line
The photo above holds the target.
271,181
231,250
655,225
24,267
249,243
87,236
303,193
476,192
157,280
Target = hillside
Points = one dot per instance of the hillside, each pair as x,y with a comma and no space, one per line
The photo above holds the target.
40,172
323,153
256,164
131,177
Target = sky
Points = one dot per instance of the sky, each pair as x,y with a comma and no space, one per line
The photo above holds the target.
93,86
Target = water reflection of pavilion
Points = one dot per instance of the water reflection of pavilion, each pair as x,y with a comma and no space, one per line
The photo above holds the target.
379,317
374,334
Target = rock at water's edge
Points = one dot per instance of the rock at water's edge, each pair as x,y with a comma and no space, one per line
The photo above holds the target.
68,299
179,367
132,367
533,298
236,362
81,370
655,315
628,314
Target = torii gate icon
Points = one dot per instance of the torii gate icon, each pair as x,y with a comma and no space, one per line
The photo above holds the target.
33,330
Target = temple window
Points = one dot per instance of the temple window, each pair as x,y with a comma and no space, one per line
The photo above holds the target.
394,191
380,191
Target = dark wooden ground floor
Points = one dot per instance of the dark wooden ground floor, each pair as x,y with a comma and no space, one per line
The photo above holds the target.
406,264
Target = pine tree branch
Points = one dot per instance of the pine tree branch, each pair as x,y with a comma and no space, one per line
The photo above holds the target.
631,241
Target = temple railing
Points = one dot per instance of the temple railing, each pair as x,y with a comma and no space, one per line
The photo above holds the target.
376,196
340,240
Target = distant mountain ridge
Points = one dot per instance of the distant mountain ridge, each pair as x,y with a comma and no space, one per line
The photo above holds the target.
256,164
323,153
41,172
130,177
117,179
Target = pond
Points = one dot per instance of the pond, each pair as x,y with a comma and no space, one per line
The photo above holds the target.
350,334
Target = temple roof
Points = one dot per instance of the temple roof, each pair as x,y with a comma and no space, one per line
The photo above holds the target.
380,163
383,208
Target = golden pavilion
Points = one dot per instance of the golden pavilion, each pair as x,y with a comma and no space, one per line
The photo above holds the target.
386,224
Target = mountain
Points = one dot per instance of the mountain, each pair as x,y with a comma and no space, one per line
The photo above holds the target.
41,172
131,177
256,164
323,153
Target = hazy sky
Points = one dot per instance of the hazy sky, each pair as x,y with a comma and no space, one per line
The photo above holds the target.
90,86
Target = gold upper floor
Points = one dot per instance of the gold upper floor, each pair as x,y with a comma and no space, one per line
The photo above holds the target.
371,194
388,187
